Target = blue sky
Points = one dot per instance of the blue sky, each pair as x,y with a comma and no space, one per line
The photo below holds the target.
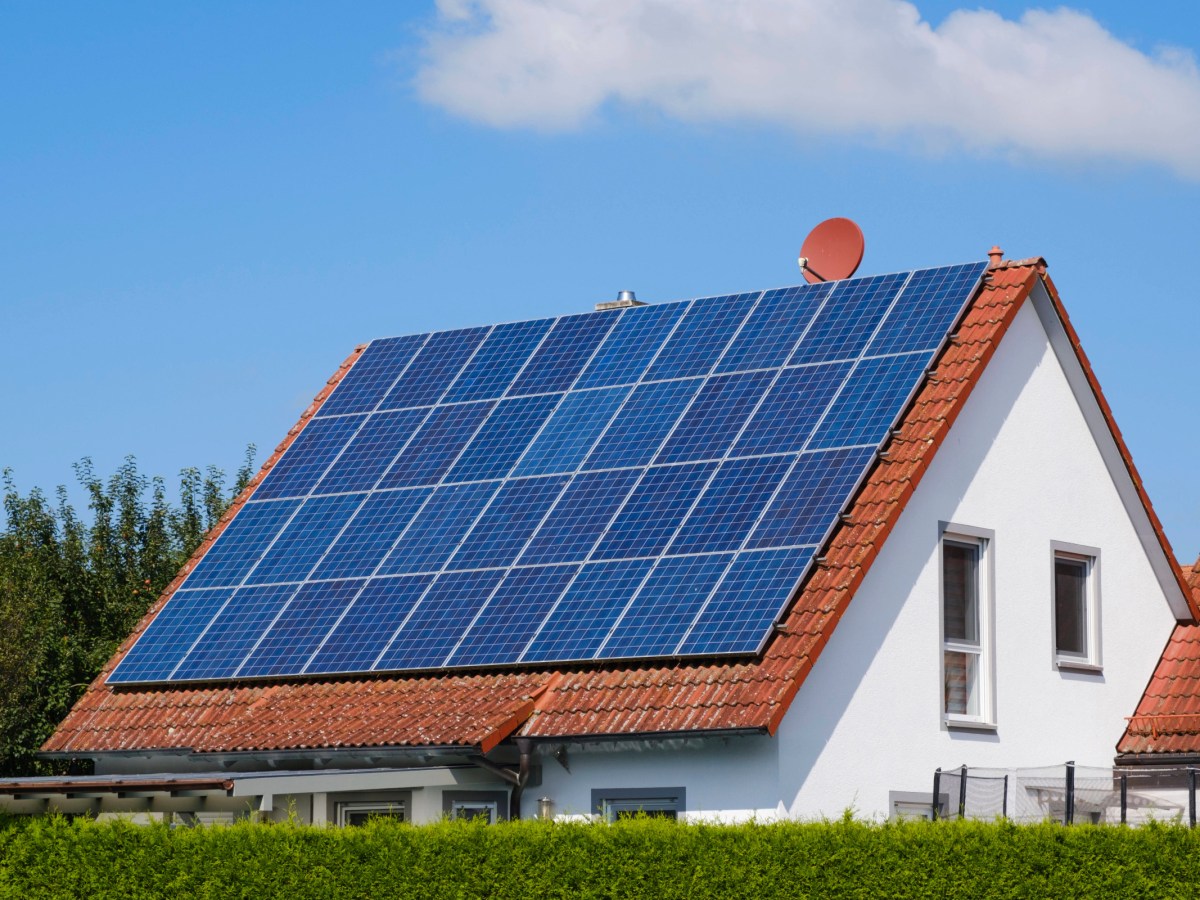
206,206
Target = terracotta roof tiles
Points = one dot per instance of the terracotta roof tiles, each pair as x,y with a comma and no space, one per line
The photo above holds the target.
1167,719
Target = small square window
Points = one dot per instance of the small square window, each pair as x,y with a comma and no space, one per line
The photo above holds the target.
1076,606
473,811
481,806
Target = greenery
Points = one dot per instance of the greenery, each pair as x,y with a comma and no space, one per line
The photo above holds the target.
71,590
650,858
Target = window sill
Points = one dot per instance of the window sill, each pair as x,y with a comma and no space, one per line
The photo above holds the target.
955,724
1067,664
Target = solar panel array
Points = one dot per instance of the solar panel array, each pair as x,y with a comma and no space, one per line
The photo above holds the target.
634,483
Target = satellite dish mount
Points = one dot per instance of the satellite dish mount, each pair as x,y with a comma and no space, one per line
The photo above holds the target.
832,251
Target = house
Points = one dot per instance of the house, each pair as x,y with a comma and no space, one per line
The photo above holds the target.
778,554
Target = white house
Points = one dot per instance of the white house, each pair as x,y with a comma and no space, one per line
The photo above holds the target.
992,586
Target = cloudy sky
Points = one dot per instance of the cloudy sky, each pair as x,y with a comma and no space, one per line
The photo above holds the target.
206,206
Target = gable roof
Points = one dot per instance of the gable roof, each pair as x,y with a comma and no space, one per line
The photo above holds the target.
1167,719
589,700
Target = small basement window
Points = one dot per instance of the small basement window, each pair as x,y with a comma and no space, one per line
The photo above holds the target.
613,804
1076,606
485,806
359,813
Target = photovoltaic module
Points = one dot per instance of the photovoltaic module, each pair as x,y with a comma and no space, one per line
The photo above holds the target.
635,483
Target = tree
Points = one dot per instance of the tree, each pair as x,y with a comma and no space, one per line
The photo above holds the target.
72,590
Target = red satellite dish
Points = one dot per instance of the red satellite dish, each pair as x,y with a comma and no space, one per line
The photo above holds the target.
832,251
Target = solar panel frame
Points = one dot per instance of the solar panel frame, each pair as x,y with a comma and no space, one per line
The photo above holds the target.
564,370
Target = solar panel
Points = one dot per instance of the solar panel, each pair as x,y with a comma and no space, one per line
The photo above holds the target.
637,483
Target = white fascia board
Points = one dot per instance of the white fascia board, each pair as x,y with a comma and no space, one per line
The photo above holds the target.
256,784
1109,450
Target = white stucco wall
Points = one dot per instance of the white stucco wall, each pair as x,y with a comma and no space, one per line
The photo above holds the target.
1022,463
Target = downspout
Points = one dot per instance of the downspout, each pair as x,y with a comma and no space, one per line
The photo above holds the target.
525,746
517,779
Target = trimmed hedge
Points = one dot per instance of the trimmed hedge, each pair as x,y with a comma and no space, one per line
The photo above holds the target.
637,858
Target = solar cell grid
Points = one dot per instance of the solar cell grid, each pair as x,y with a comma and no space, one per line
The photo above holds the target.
436,445
439,619
498,360
716,417
564,353
241,544
356,640
641,425
772,331
512,615
438,529
434,368
631,345
749,598
507,524
848,319
370,451
632,483
229,637
503,438
654,510
579,517
372,375
314,449
571,431
368,537
301,544
663,610
299,628
587,611
705,330
178,625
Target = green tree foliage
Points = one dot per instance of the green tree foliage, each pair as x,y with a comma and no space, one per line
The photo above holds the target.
71,589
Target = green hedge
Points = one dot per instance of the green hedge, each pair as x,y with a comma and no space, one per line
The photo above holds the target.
640,858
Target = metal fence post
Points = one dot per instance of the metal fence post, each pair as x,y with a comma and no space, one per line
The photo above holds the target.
1191,797
962,793
1069,812
1004,802
1124,795
937,790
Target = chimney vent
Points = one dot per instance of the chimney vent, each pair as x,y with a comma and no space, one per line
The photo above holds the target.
625,299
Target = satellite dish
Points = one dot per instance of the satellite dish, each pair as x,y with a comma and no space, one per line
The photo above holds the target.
832,251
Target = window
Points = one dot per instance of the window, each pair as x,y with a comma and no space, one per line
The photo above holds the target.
486,806
1076,606
916,805
358,813
611,805
966,627
471,810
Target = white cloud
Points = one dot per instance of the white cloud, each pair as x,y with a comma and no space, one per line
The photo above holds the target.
1052,84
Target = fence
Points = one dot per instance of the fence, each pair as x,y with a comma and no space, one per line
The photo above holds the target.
1067,793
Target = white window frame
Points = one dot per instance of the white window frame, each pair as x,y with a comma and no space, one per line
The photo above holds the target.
380,807
985,540
1091,660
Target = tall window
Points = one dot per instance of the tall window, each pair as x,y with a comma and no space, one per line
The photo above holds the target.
1076,606
966,630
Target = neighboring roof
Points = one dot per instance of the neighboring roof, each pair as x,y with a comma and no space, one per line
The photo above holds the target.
589,700
1167,720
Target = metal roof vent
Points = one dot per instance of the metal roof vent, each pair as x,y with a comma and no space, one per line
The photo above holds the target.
624,300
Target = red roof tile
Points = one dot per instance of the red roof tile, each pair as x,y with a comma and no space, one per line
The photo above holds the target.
609,700
1167,719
